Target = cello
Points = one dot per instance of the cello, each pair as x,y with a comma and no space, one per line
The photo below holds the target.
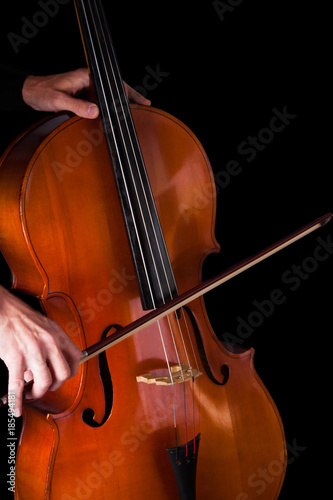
172,388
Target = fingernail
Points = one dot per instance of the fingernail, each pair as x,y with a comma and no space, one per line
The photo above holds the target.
93,110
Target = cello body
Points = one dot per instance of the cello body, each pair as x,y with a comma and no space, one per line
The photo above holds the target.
105,433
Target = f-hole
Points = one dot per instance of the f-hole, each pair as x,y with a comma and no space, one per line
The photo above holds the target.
225,371
88,415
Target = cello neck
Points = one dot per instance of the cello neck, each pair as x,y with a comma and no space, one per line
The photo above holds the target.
153,268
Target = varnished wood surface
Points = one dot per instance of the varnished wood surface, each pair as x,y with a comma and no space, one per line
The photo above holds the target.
71,228
233,73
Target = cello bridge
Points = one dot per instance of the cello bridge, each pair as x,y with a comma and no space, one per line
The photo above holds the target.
178,374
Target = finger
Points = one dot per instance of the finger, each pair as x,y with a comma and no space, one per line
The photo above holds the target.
15,389
28,376
78,78
135,96
42,379
71,352
59,369
63,357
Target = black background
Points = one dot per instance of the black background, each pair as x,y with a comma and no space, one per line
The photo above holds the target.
223,76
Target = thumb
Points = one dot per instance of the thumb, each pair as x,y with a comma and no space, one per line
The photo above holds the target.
79,107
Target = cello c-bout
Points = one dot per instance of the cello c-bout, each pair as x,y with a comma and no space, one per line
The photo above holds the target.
115,217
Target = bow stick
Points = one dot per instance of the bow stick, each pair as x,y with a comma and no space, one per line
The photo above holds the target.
194,293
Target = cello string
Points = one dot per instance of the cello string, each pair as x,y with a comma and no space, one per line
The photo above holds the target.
191,343
119,158
114,138
111,128
193,381
125,115
172,382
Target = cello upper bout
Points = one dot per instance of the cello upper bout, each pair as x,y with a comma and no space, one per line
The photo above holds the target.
13,174
182,180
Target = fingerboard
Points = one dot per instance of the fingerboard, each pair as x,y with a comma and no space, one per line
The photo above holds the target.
152,264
